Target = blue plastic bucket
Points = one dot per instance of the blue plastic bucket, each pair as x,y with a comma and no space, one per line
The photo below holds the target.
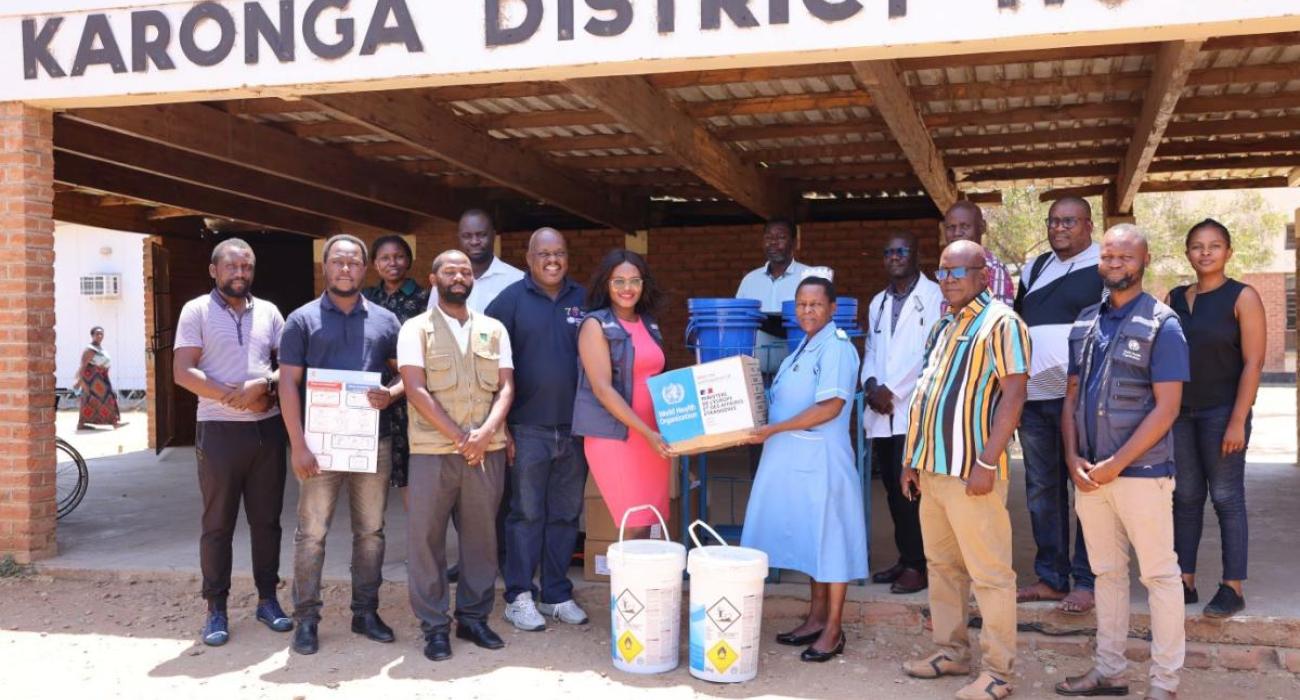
722,327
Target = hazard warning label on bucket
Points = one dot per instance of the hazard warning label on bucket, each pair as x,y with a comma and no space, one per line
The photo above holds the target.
629,647
723,614
628,606
722,656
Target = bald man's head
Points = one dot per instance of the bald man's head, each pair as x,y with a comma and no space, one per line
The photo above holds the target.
548,260
477,236
1125,254
962,274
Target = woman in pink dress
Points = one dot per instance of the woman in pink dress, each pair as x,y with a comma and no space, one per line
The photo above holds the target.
620,347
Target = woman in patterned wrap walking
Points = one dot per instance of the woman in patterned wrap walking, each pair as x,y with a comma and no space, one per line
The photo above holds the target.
98,401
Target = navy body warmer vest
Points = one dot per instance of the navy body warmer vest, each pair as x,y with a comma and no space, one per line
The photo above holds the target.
1125,396
590,419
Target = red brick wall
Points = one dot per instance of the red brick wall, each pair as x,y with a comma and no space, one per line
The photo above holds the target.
27,489
1272,290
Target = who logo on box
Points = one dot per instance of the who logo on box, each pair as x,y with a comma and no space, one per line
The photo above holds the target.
673,394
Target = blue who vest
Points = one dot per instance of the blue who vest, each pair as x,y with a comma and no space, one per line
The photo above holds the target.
1124,396
590,419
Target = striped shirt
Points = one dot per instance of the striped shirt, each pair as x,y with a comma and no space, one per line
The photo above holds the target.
951,414
235,347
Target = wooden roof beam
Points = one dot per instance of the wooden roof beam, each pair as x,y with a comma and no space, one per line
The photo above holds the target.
210,132
1293,178
85,209
645,110
883,80
1173,65
416,119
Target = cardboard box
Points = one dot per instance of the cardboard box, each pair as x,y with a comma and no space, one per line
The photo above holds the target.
594,563
674,482
601,525
595,567
711,405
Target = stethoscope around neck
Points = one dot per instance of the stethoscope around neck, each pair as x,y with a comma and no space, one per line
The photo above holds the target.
885,297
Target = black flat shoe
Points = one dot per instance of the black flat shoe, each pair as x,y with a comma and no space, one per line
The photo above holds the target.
369,624
888,575
819,657
305,641
1190,596
790,639
1225,603
437,646
480,634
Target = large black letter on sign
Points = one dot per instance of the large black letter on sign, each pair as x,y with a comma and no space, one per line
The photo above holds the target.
218,53
622,19
87,55
667,16
828,11
144,49
778,11
738,10
401,33
342,25
36,48
258,24
500,36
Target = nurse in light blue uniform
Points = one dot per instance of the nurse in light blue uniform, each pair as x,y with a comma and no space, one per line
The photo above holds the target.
805,510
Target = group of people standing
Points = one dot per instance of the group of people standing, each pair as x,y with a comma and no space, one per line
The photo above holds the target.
493,365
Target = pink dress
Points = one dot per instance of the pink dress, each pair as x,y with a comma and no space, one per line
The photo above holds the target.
630,472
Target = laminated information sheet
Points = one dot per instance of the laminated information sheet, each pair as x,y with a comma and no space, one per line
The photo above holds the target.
342,430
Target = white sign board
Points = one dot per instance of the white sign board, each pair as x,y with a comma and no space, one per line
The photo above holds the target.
100,52
342,430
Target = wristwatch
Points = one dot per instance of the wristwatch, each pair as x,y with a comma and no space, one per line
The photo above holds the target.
271,385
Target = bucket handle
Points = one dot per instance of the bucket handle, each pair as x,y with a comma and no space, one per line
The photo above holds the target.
701,523
650,508
690,328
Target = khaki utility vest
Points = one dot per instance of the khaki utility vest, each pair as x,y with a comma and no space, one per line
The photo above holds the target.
463,383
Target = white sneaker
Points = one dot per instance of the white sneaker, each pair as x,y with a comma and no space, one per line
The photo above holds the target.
523,614
567,612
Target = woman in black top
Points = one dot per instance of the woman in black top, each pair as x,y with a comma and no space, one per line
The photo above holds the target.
1223,321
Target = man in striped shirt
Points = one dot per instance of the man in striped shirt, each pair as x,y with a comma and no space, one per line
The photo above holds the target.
962,415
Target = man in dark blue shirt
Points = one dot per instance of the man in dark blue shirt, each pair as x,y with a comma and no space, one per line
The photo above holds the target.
340,331
1128,362
541,313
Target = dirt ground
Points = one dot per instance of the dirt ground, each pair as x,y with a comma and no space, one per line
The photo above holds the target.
111,636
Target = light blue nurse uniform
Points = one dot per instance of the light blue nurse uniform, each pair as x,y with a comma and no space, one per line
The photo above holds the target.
805,510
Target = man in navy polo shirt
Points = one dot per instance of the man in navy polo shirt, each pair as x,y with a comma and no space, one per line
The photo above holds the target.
1128,361
341,330
541,313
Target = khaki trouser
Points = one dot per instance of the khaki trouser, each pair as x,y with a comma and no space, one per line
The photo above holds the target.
968,541
1137,512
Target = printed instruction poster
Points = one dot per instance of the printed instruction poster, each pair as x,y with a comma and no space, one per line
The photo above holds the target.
342,430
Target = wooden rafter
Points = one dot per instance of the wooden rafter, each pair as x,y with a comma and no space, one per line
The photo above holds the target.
636,104
884,82
415,119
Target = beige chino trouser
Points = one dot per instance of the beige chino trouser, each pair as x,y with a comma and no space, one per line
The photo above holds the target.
1136,512
968,545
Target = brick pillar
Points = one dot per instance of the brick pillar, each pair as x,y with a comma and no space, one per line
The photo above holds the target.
27,490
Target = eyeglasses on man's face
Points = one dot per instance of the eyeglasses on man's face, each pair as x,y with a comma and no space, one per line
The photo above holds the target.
957,273
1063,221
899,252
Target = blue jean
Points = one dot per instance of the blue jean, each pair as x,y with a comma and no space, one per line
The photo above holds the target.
547,481
1202,469
1047,490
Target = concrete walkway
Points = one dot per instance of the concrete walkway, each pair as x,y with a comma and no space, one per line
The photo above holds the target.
142,514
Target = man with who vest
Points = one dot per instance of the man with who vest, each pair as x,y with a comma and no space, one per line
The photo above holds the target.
461,375
1128,362
899,320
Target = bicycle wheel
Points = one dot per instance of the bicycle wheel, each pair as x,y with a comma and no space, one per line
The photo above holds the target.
72,478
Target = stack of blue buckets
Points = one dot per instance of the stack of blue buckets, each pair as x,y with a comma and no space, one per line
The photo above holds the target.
845,318
722,327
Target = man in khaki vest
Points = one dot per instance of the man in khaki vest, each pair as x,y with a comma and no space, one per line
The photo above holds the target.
461,375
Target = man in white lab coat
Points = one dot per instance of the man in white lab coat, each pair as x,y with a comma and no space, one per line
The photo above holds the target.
899,321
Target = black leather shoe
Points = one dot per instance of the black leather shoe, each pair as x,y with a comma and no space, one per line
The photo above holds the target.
889,575
453,573
479,633
910,581
790,639
304,638
437,647
369,624
1225,603
818,657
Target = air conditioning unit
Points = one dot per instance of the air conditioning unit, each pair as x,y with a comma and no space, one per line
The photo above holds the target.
105,286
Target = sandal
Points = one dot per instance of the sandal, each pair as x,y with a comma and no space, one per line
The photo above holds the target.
1038,592
1091,684
1080,601
936,665
986,687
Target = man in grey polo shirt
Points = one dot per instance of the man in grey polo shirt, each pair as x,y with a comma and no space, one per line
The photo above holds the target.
225,343
341,330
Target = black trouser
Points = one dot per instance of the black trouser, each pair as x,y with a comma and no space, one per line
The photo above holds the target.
887,453
240,460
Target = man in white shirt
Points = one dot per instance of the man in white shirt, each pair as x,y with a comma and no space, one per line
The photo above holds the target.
899,321
477,237
771,285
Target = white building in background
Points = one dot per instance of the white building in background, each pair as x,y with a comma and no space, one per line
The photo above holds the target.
99,281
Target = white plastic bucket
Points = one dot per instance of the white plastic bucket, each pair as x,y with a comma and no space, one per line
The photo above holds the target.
645,600
726,609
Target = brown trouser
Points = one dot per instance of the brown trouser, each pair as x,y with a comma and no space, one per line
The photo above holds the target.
968,541
1136,512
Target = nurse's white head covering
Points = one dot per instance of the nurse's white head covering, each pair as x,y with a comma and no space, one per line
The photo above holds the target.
819,271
